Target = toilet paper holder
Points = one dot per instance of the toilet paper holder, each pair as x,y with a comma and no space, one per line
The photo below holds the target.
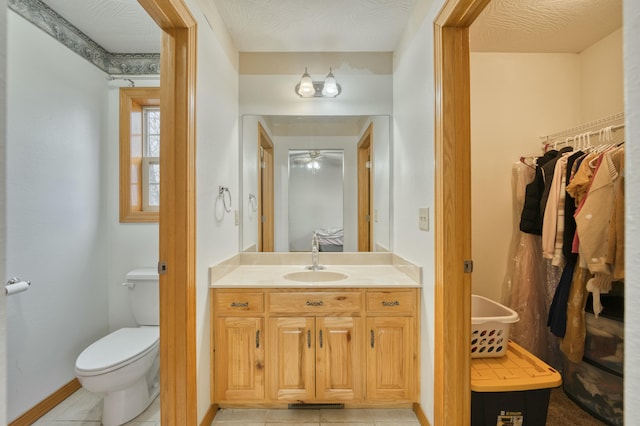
12,282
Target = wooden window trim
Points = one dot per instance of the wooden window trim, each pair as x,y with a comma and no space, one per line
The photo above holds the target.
132,100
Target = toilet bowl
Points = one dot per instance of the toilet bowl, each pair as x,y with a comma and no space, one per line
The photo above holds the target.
124,366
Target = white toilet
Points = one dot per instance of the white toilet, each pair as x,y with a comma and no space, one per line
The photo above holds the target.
125,365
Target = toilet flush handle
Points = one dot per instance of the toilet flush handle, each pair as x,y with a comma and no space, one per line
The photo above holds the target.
130,285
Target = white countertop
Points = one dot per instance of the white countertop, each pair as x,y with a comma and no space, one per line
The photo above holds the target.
235,275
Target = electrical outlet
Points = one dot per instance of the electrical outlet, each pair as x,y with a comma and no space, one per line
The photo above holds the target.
423,218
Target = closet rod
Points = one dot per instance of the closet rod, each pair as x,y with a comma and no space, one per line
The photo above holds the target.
581,129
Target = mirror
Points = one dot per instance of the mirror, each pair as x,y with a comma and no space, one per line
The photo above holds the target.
267,210
316,198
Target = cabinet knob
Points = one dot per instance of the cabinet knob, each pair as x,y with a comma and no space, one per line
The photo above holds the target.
393,303
239,304
317,303
373,339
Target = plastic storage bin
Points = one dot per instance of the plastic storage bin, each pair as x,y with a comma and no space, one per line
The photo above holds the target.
490,327
512,390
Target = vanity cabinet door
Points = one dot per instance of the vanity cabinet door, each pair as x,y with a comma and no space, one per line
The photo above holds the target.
339,372
291,359
239,359
390,358
315,359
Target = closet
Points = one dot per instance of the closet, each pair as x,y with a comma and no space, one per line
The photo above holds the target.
524,102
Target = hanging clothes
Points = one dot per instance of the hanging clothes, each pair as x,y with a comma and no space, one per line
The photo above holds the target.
530,215
523,286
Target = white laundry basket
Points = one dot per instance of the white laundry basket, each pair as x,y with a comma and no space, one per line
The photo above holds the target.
490,326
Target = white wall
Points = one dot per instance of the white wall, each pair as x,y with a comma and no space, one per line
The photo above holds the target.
366,90
282,145
601,72
632,216
217,163
413,177
56,213
249,169
3,206
130,245
316,200
515,99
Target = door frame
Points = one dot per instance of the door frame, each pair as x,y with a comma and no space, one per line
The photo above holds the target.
365,196
265,192
452,390
178,386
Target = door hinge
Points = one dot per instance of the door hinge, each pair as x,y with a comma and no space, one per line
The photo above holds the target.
468,266
162,268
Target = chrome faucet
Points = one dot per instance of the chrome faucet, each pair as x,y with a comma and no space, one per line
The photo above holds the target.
315,254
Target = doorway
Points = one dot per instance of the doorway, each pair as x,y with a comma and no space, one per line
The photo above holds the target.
265,191
452,401
178,387
365,198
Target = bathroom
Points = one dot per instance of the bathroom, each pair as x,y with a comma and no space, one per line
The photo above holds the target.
107,249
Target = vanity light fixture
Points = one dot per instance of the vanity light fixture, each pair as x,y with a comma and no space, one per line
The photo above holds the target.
307,88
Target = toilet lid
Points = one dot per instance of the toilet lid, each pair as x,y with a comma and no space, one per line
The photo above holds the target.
120,347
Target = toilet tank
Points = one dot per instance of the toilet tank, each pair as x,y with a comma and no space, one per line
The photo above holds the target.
144,295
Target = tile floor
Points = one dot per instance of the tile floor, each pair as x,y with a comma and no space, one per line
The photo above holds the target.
83,408
283,417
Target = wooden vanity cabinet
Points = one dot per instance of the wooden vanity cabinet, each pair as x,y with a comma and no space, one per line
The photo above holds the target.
326,345
238,346
314,359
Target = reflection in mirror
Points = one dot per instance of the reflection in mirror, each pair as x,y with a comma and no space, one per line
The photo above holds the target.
316,199
265,209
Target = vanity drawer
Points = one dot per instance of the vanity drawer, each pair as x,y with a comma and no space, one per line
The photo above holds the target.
391,301
235,302
315,302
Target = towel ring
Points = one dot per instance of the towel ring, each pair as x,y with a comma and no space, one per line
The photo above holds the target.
221,194
253,202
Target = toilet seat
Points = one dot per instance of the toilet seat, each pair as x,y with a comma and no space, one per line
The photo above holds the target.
114,351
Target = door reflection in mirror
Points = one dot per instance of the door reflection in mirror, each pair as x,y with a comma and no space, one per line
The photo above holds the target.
316,199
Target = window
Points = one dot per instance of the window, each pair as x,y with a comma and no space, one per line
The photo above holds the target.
139,154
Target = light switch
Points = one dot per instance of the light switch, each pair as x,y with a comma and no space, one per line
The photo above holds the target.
237,217
423,218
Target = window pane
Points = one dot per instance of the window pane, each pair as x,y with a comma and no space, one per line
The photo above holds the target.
153,148
154,195
154,173
152,131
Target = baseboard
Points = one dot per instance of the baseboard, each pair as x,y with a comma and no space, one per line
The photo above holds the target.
422,418
47,404
210,415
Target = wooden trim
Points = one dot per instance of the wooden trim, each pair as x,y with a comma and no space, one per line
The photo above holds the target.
210,415
452,401
178,392
47,404
365,190
265,192
131,102
422,418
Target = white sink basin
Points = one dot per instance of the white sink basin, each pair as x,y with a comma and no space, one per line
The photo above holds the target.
315,276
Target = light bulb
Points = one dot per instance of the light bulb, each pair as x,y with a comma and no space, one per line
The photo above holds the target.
330,86
306,85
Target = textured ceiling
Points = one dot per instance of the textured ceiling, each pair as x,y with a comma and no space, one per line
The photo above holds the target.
119,26
567,26
315,26
122,26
